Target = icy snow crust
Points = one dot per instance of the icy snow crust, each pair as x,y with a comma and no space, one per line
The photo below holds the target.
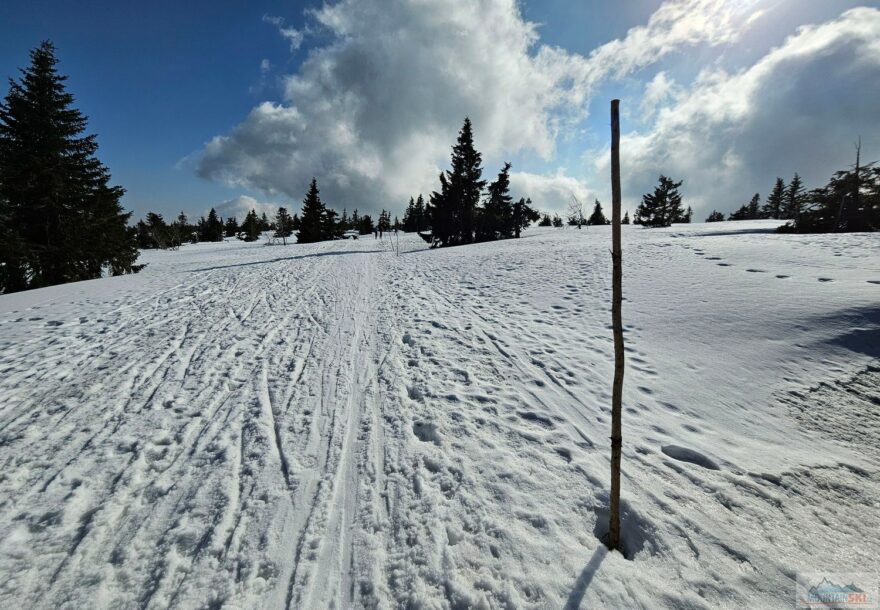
331,425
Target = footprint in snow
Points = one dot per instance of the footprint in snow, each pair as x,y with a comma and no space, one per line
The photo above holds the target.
725,265
874,281
783,277
683,454
826,279
426,432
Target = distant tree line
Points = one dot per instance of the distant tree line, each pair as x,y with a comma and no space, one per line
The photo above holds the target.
849,202
317,223
60,218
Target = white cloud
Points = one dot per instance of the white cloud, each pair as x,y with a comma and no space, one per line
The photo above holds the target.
549,192
799,108
373,112
241,205
292,35
658,91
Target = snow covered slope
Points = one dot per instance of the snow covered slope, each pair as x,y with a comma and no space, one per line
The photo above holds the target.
331,425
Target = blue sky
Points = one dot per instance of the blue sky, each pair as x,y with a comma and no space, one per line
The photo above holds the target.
373,120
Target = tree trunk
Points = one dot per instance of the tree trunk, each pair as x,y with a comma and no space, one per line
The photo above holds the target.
617,329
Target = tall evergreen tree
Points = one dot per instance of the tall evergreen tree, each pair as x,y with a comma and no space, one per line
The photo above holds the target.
773,206
794,194
454,207
409,216
66,218
312,221
662,207
715,217
625,220
420,214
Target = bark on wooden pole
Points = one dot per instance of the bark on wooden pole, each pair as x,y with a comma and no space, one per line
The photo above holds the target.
617,329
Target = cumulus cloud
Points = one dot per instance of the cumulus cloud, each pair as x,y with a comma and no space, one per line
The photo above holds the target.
799,108
373,112
241,205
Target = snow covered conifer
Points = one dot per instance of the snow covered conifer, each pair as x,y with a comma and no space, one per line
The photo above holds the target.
66,218
312,221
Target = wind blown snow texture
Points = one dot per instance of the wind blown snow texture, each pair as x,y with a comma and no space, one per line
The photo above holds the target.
330,425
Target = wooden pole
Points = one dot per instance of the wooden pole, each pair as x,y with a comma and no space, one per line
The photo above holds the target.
617,329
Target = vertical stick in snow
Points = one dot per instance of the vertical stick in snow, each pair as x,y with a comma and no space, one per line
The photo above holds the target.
617,329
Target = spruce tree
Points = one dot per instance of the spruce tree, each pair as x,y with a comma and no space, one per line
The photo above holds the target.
283,225
773,206
597,217
715,217
58,206
212,228
546,221
409,216
523,215
662,207
496,217
330,227
312,221
791,202
454,207
251,227
421,214
625,220
230,227
365,224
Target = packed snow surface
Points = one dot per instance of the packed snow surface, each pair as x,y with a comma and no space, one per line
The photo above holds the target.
335,425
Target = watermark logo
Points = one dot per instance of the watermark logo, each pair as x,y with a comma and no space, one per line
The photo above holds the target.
840,591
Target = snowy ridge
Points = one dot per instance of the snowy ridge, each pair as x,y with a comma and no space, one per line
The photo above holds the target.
333,425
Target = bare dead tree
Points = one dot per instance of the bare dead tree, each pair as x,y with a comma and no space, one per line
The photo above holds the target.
854,195
617,330
576,212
